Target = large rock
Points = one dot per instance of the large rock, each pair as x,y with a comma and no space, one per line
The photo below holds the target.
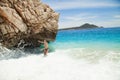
28,20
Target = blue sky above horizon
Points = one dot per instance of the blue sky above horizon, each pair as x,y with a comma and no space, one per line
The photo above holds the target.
74,13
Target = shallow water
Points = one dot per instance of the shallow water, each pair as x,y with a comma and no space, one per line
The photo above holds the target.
60,65
95,56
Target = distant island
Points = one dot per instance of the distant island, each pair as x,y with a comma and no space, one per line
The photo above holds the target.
84,26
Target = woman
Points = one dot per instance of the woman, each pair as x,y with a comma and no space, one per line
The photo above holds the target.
45,47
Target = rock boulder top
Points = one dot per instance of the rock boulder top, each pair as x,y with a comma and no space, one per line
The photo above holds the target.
28,20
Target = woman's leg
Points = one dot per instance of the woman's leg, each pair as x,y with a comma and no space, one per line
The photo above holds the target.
45,52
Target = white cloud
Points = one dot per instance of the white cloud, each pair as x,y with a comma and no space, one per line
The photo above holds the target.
73,18
80,18
117,16
111,23
81,4
77,20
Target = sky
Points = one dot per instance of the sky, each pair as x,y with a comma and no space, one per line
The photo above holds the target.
75,13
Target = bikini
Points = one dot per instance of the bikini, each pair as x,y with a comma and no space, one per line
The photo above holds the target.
46,48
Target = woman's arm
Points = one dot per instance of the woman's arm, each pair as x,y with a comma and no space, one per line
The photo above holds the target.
40,41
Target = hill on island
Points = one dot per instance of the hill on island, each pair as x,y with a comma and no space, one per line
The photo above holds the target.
84,26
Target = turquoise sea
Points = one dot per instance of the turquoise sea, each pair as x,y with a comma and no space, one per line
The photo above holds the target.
92,54
100,38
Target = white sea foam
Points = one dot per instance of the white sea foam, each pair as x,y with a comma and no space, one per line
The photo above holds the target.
70,64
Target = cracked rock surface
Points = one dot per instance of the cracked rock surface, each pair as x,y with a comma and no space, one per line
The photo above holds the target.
28,20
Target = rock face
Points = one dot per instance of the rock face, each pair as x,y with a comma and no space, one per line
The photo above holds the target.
28,20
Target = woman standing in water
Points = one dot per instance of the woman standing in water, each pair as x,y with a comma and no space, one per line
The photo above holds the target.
45,47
